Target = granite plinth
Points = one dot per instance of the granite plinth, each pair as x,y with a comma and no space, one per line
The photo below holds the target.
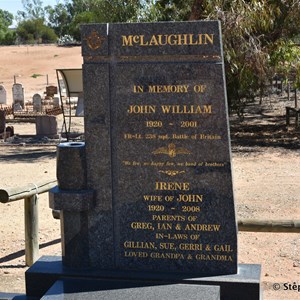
79,289
47,270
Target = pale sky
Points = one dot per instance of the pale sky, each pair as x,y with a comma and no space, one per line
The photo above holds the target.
14,5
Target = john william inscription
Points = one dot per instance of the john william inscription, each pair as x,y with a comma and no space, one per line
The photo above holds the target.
172,199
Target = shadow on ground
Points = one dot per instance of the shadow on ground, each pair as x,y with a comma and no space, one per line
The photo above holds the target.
263,126
21,154
21,253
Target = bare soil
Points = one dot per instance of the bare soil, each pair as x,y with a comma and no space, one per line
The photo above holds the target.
266,170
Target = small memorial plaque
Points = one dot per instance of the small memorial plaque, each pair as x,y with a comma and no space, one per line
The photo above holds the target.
160,161
37,102
18,94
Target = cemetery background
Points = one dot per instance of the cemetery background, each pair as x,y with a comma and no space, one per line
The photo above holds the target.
266,169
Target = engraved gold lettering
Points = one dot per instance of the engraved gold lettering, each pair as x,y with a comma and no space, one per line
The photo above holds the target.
209,137
202,227
139,245
194,42
186,109
168,89
214,164
193,247
136,39
172,186
223,248
167,246
182,39
186,39
160,40
180,136
190,198
164,226
199,88
142,43
170,109
213,257
142,225
153,198
171,236
135,254
208,38
153,41
138,89
141,109
168,218
127,40
161,255
172,39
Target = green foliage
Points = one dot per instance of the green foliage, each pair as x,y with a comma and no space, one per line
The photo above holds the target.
59,18
7,36
34,31
244,25
36,75
170,10
66,18
257,39
6,19
285,59
81,18
31,27
33,9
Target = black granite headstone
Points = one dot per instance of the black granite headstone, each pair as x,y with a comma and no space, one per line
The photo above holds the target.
157,148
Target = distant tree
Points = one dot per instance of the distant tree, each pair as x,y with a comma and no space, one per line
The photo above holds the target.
7,36
34,31
59,18
66,18
31,26
102,11
33,9
117,10
169,10
286,60
6,19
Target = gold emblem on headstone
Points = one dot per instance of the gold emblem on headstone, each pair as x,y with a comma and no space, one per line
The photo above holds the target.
171,150
171,172
95,40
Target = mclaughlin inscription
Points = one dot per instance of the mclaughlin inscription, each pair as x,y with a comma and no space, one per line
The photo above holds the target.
185,39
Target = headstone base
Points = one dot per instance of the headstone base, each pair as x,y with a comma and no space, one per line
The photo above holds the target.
79,289
49,269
